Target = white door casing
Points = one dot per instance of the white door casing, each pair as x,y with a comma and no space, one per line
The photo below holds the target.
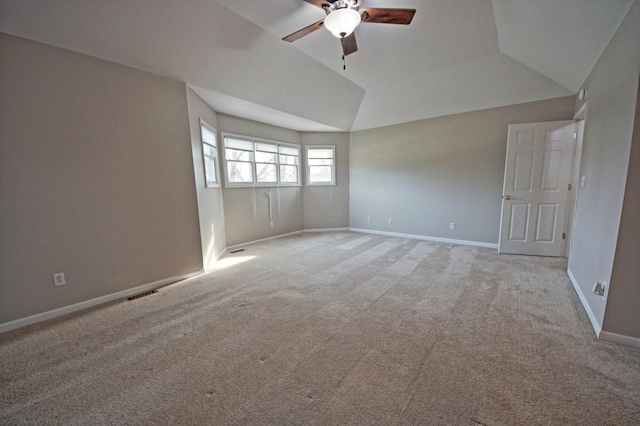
536,186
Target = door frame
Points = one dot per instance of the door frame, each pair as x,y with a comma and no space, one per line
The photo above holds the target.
580,116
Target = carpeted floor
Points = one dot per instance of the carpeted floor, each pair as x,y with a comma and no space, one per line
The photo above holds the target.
331,329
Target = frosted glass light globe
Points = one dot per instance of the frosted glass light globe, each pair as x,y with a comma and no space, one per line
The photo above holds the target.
342,22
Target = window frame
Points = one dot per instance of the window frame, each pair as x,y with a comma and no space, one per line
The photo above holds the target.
216,163
308,165
250,161
256,142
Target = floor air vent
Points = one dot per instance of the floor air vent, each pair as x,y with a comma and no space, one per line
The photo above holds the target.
138,296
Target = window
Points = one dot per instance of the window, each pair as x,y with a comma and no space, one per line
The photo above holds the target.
321,165
289,163
239,156
266,162
250,162
209,154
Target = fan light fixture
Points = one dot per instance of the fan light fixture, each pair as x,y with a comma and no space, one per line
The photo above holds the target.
342,22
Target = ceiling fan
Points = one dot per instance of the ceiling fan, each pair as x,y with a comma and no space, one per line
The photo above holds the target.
343,16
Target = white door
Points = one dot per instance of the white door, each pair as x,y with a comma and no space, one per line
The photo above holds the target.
536,187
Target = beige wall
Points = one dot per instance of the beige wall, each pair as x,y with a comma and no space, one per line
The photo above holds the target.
425,174
622,314
246,210
612,88
210,202
96,179
328,206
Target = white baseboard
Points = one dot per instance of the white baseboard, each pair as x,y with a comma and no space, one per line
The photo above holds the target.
289,234
237,246
621,339
221,254
426,238
369,231
216,258
594,321
327,230
12,325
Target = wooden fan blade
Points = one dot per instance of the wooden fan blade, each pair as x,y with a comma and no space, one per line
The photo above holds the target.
303,32
387,16
349,44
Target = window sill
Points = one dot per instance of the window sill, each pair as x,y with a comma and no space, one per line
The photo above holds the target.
260,185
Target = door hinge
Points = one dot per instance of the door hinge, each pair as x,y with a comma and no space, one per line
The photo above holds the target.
564,236
575,135
570,187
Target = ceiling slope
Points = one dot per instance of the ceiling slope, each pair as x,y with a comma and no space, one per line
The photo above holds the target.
486,82
200,42
559,39
456,56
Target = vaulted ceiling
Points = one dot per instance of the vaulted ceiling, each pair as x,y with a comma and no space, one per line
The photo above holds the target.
456,56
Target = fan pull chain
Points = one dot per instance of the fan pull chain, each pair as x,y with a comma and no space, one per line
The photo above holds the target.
344,63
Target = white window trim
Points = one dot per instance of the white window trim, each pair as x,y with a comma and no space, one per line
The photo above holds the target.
255,183
207,183
308,167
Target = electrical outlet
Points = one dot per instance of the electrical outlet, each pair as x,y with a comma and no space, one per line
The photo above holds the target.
58,279
598,288
271,224
452,225
369,219
389,221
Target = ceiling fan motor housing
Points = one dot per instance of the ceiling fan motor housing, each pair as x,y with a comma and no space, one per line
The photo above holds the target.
340,4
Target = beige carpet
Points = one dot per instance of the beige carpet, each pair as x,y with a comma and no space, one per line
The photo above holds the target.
331,329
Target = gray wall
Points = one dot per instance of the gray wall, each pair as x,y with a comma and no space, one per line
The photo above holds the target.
623,304
611,102
425,174
328,206
96,179
246,210
210,202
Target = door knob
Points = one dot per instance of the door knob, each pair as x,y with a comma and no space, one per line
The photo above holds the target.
507,197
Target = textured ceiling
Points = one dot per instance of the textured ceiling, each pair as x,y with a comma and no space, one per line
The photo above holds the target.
456,56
